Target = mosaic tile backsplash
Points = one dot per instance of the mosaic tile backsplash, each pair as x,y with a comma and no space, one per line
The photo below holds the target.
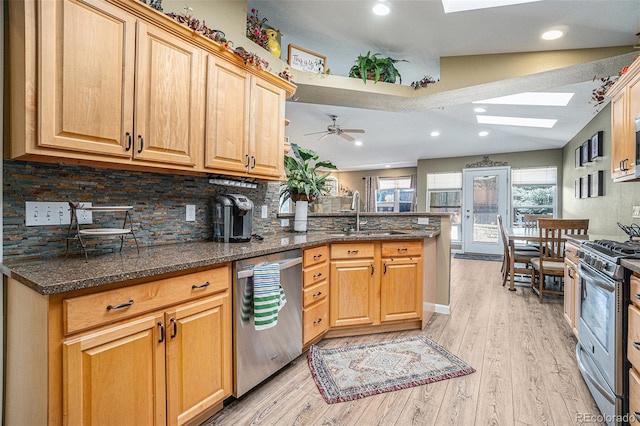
158,199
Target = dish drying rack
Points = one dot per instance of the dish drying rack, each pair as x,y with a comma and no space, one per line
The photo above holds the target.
76,227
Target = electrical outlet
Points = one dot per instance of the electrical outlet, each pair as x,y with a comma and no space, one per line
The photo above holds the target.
53,213
284,222
636,212
190,215
264,213
423,221
85,217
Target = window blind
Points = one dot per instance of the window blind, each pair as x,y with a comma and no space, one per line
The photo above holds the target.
451,180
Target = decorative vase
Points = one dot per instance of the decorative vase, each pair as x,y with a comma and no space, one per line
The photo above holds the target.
300,219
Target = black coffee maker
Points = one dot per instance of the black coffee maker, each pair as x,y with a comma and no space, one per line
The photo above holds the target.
232,218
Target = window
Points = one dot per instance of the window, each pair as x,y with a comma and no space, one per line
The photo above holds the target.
534,191
394,195
444,195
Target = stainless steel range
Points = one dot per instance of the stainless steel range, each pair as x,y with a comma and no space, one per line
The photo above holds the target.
602,324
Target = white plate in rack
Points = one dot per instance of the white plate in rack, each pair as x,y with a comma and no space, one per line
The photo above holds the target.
105,231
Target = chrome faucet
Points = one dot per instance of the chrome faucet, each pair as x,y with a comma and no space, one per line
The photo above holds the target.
355,205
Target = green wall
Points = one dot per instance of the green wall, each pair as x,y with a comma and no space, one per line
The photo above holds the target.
619,198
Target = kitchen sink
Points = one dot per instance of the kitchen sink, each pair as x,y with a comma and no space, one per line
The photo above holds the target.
371,233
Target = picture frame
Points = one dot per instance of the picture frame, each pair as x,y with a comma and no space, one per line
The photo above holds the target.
596,186
577,187
585,184
306,60
597,143
586,151
579,156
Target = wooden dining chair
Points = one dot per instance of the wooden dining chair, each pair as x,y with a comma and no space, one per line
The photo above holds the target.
531,220
550,261
522,255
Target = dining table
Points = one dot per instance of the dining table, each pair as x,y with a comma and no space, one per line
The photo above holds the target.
521,234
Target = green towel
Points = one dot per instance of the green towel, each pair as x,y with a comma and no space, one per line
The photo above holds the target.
268,295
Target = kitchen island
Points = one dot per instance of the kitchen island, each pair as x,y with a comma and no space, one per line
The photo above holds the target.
57,327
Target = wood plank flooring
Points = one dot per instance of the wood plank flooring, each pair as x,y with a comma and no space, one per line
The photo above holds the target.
523,353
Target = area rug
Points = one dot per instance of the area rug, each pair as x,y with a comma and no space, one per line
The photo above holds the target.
471,256
345,374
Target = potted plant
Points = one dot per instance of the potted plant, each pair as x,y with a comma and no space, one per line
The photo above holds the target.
372,67
304,184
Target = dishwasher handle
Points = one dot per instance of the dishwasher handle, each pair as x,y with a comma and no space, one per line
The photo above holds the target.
284,264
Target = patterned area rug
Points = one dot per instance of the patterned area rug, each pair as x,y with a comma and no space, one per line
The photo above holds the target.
345,374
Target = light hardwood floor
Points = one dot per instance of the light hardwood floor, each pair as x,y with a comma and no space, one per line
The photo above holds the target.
523,353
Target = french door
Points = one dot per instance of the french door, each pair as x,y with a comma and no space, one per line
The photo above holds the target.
485,195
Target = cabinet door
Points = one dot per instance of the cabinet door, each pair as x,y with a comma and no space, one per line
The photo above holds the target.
227,116
169,80
87,51
352,293
401,289
569,293
622,142
266,135
117,375
199,357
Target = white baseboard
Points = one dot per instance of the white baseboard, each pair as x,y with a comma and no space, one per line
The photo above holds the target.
443,309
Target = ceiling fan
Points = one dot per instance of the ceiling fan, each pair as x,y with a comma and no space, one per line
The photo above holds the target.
335,129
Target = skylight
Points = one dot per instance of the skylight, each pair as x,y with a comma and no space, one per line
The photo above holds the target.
531,98
546,123
451,6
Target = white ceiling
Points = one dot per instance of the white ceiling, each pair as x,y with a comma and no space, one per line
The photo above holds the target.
420,32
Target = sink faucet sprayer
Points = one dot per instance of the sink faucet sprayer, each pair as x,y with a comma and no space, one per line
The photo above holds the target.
355,205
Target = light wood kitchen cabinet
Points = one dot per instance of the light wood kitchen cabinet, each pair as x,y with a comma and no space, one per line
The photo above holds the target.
158,353
315,293
633,347
352,288
244,122
625,105
401,281
88,104
571,283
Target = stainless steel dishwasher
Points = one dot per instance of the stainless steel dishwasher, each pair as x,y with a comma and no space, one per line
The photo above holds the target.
259,354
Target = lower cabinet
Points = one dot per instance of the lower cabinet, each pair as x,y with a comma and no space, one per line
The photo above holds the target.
401,289
315,293
165,367
571,283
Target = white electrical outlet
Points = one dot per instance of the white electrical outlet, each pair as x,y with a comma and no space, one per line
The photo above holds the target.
284,222
636,212
85,217
423,221
190,213
53,213
264,213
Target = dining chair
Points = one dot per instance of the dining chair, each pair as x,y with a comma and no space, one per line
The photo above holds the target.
550,260
531,220
522,255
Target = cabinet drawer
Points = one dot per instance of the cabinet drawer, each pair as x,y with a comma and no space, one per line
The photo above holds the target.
352,251
635,290
315,255
316,274
316,321
84,312
633,346
402,248
311,295
634,395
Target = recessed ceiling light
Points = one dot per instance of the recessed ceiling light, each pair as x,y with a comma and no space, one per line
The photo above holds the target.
531,98
546,123
435,133
552,35
387,166
381,9
462,5
358,143
483,133
480,109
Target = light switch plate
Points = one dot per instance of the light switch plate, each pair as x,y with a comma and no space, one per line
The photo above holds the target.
53,213
284,222
264,213
636,212
423,221
190,214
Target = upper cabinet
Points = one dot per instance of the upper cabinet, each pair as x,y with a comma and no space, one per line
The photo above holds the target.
103,82
625,105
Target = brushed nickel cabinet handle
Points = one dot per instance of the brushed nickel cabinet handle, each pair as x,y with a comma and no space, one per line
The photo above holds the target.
636,345
203,285
121,305
637,295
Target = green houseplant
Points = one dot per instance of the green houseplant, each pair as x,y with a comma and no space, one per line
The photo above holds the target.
372,67
303,181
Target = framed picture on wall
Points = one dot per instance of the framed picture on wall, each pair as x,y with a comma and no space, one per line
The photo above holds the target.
596,145
577,186
586,152
579,156
586,182
596,188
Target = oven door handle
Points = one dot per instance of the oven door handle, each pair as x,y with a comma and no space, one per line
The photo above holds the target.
590,376
601,281
284,264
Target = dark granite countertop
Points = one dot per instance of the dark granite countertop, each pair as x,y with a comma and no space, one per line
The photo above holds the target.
633,264
53,276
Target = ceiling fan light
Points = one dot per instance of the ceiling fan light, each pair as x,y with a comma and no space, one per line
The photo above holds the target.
435,133
358,143
381,9
551,35
483,133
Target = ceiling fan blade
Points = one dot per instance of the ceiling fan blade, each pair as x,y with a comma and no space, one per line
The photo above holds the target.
324,137
353,130
314,133
347,137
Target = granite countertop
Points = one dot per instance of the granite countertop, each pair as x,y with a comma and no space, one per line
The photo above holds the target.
633,264
58,275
